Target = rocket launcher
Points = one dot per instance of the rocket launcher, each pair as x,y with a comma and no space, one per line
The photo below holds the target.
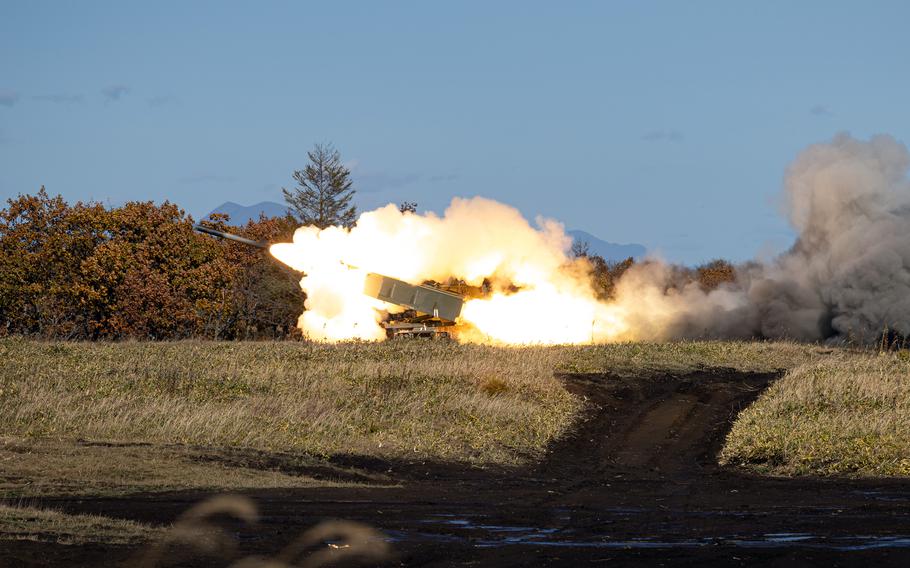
442,306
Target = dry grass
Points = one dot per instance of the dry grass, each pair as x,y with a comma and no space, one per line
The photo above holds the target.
35,468
848,413
837,411
636,359
408,398
47,525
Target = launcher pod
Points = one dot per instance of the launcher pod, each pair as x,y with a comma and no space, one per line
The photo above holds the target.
435,310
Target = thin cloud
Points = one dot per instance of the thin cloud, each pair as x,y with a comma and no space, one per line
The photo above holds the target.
663,136
444,177
115,92
161,100
59,98
383,181
820,110
206,178
8,98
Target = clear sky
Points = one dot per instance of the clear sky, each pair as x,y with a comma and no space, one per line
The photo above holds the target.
664,123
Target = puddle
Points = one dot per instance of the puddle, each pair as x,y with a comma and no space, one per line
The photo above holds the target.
595,544
395,536
847,543
882,496
483,534
872,542
787,537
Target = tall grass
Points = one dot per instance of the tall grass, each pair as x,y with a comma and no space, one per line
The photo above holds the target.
48,525
421,399
636,359
837,411
848,413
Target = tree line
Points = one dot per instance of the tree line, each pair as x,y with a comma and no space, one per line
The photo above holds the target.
86,271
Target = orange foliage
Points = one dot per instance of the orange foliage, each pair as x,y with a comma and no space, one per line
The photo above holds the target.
715,273
87,272
604,274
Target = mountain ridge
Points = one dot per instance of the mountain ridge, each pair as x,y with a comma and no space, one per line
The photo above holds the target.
241,214
610,251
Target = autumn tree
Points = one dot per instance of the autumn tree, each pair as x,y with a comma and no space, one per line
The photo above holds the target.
324,190
604,274
715,273
138,271
40,246
265,294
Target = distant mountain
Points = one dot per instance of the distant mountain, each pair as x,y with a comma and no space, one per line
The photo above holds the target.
610,251
240,214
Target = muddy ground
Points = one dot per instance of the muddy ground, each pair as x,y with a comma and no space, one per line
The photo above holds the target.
636,483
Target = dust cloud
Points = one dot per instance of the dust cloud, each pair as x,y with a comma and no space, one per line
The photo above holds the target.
847,277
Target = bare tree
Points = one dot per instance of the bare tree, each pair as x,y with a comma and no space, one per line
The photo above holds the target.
580,249
323,193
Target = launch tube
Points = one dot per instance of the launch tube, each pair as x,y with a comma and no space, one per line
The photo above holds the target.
229,236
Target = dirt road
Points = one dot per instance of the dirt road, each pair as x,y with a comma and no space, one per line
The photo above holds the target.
636,482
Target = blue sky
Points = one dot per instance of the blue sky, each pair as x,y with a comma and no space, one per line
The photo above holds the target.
664,123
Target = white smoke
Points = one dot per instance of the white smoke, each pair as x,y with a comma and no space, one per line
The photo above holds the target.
476,240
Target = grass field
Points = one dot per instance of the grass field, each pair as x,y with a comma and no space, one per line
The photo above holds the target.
835,411
47,525
120,418
399,399
846,413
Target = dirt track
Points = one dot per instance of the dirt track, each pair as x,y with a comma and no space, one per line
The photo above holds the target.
637,481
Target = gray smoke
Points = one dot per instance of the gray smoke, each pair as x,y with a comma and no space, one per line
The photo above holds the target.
847,277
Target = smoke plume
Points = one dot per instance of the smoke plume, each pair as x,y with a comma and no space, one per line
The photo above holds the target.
847,276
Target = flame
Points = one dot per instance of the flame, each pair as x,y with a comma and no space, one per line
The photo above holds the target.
540,295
